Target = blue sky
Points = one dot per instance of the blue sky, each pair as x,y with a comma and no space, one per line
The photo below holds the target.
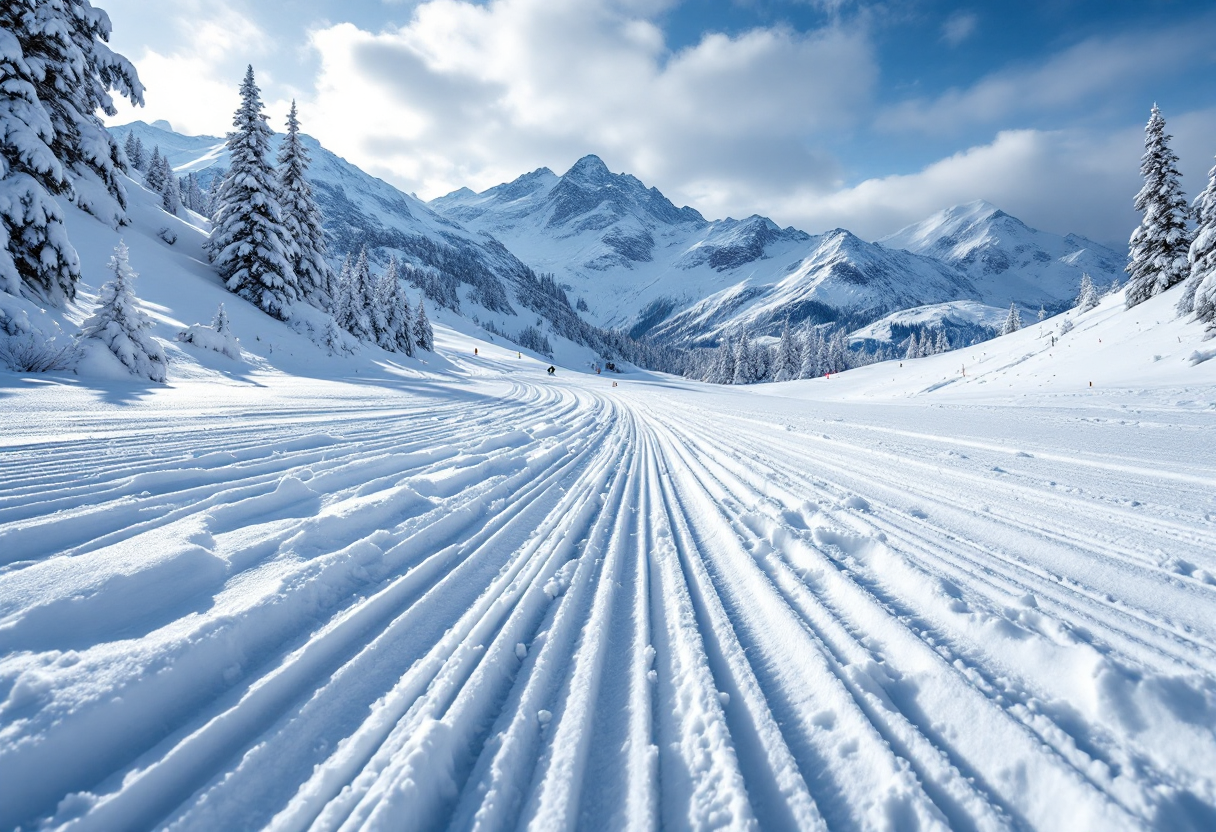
819,113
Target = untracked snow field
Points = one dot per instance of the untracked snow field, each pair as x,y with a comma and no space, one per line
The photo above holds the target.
495,600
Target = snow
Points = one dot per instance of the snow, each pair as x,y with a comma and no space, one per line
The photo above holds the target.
373,591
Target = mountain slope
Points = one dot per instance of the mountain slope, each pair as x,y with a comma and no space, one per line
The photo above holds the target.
465,271
1006,260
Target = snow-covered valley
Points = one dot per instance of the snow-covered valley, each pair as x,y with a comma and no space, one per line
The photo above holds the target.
473,596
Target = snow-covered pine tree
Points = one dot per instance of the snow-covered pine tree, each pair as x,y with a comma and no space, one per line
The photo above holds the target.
64,41
360,300
1157,258
249,246
121,325
133,150
220,322
1087,296
36,258
302,218
744,365
391,313
141,155
913,350
170,189
943,342
344,307
1013,322
192,194
154,175
809,366
424,336
1199,294
1043,312
788,360
838,351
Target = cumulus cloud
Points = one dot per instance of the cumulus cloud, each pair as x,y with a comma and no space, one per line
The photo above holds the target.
195,74
468,94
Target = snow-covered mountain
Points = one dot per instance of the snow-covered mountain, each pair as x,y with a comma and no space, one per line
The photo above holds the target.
1006,260
465,271
637,261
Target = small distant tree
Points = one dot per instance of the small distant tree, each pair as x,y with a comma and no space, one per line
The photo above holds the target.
1087,297
787,363
154,175
170,188
121,325
192,194
423,334
1013,322
1159,246
1043,311
134,150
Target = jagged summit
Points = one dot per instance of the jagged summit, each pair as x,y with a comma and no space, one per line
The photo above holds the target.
590,169
1003,257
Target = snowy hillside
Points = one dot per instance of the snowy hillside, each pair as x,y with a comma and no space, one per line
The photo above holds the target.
467,272
1006,260
295,591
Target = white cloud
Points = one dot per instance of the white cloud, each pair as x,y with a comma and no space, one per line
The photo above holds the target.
193,79
958,27
1078,78
468,94
1062,181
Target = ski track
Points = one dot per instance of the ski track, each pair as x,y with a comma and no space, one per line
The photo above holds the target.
554,606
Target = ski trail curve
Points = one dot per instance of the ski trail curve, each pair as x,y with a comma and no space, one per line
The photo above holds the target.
550,604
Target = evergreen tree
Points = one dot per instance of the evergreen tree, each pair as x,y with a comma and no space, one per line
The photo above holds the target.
249,245
1087,296
1043,310
121,325
1157,258
141,155
170,190
744,363
423,334
192,194
36,258
344,306
810,356
220,322
1013,322
1199,295
133,150
913,350
302,219
154,175
838,351
788,360
391,313
723,366
64,41
943,342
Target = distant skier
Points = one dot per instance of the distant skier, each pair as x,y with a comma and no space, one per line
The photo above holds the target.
551,369
474,350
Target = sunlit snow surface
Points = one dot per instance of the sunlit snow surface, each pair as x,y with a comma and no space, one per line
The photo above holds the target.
300,592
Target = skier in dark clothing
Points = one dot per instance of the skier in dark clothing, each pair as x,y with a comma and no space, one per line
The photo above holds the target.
552,369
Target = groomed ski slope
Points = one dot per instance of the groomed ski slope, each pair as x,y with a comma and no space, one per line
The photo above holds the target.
496,600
